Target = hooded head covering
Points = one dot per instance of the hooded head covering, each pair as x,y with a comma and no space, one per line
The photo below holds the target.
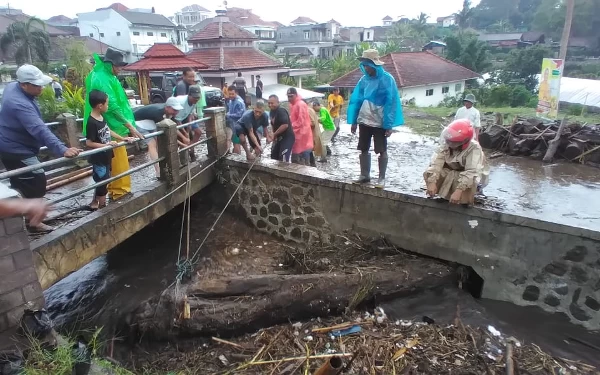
119,112
381,90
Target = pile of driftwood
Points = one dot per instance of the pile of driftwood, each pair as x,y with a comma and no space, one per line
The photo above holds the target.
544,140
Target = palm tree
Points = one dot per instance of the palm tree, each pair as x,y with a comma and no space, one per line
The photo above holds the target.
27,39
501,26
407,37
420,24
463,18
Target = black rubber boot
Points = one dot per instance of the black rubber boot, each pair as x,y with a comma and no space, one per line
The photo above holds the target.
383,162
365,168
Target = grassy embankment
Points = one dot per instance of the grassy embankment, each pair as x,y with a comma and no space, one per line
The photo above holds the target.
431,120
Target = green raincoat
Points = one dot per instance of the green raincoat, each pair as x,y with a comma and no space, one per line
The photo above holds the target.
119,111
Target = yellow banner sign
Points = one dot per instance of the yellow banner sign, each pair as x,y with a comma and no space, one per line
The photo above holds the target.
549,95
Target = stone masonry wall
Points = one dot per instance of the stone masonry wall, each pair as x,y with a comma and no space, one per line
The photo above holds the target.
523,261
19,286
283,208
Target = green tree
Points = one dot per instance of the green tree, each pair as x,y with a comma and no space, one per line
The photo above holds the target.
291,61
465,49
522,66
78,61
465,15
342,65
420,24
550,17
388,47
29,39
501,26
407,37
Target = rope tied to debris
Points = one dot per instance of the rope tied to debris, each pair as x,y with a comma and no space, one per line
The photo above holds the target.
185,267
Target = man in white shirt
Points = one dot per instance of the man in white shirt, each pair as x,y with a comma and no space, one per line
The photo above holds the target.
468,112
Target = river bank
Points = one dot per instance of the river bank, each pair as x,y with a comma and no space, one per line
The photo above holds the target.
108,291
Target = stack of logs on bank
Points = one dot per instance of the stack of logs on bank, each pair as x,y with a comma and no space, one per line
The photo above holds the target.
531,137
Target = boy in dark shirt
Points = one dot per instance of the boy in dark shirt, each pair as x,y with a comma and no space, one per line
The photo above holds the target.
98,135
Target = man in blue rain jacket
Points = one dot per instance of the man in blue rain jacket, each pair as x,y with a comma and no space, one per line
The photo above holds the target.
374,108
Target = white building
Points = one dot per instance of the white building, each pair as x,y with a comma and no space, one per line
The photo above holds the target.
132,32
191,15
423,78
446,21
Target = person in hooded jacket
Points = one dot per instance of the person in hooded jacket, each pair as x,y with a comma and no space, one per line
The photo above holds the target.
303,146
458,167
119,116
375,109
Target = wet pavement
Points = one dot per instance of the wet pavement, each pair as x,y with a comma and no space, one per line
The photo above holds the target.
561,192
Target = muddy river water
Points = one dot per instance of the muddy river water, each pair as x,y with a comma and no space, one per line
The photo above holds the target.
101,293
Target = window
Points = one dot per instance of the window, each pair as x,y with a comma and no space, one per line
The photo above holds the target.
101,35
368,35
118,33
163,35
279,35
150,33
445,89
429,92
458,87
136,33
91,35
306,34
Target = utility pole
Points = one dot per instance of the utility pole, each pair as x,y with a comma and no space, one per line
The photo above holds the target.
564,41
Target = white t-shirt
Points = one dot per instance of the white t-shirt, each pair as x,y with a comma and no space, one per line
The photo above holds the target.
471,114
370,115
187,108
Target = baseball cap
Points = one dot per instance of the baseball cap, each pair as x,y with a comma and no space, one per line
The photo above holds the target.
174,103
195,91
31,74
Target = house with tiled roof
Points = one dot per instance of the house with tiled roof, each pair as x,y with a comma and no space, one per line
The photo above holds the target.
447,21
130,31
387,21
423,78
227,49
303,21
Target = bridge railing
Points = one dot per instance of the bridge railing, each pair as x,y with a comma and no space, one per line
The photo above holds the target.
168,150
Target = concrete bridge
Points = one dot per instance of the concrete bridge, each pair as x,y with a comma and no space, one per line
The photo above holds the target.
521,260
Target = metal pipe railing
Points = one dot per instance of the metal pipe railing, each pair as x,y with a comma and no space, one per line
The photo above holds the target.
31,168
52,123
108,180
195,144
203,119
44,148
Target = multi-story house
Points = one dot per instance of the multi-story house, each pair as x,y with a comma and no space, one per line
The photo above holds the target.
128,31
191,15
446,21
307,38
264,30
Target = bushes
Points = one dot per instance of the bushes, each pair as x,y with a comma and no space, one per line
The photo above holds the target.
496,96
73,103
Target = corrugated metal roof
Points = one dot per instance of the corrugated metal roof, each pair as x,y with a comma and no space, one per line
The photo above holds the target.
150,19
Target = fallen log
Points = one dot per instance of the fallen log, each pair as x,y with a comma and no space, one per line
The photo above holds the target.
573,150
67,181
67,175
243,304
553,145
493,137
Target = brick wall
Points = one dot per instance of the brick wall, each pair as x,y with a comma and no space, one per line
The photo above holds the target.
19,285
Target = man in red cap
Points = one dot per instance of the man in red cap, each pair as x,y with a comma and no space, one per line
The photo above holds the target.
458,167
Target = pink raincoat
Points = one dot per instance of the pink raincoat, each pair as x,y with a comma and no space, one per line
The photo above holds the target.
301,125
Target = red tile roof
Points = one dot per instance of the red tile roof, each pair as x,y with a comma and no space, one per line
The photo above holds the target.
163,50
303,20
222,30
224,59
245,17
411,69
387,18
165,57
116,6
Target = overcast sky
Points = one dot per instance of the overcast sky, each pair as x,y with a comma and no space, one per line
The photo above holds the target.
348,13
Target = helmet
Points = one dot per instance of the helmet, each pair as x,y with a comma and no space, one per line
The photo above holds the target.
458,133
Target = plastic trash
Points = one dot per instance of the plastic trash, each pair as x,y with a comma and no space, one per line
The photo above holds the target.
82,357
35,323
347,331
11,364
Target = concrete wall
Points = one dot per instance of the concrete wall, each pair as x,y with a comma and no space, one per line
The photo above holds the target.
522,260
420,93
19,286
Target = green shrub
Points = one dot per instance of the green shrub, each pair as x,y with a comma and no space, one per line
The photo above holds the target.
520,96
500,96
575,110
50,107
